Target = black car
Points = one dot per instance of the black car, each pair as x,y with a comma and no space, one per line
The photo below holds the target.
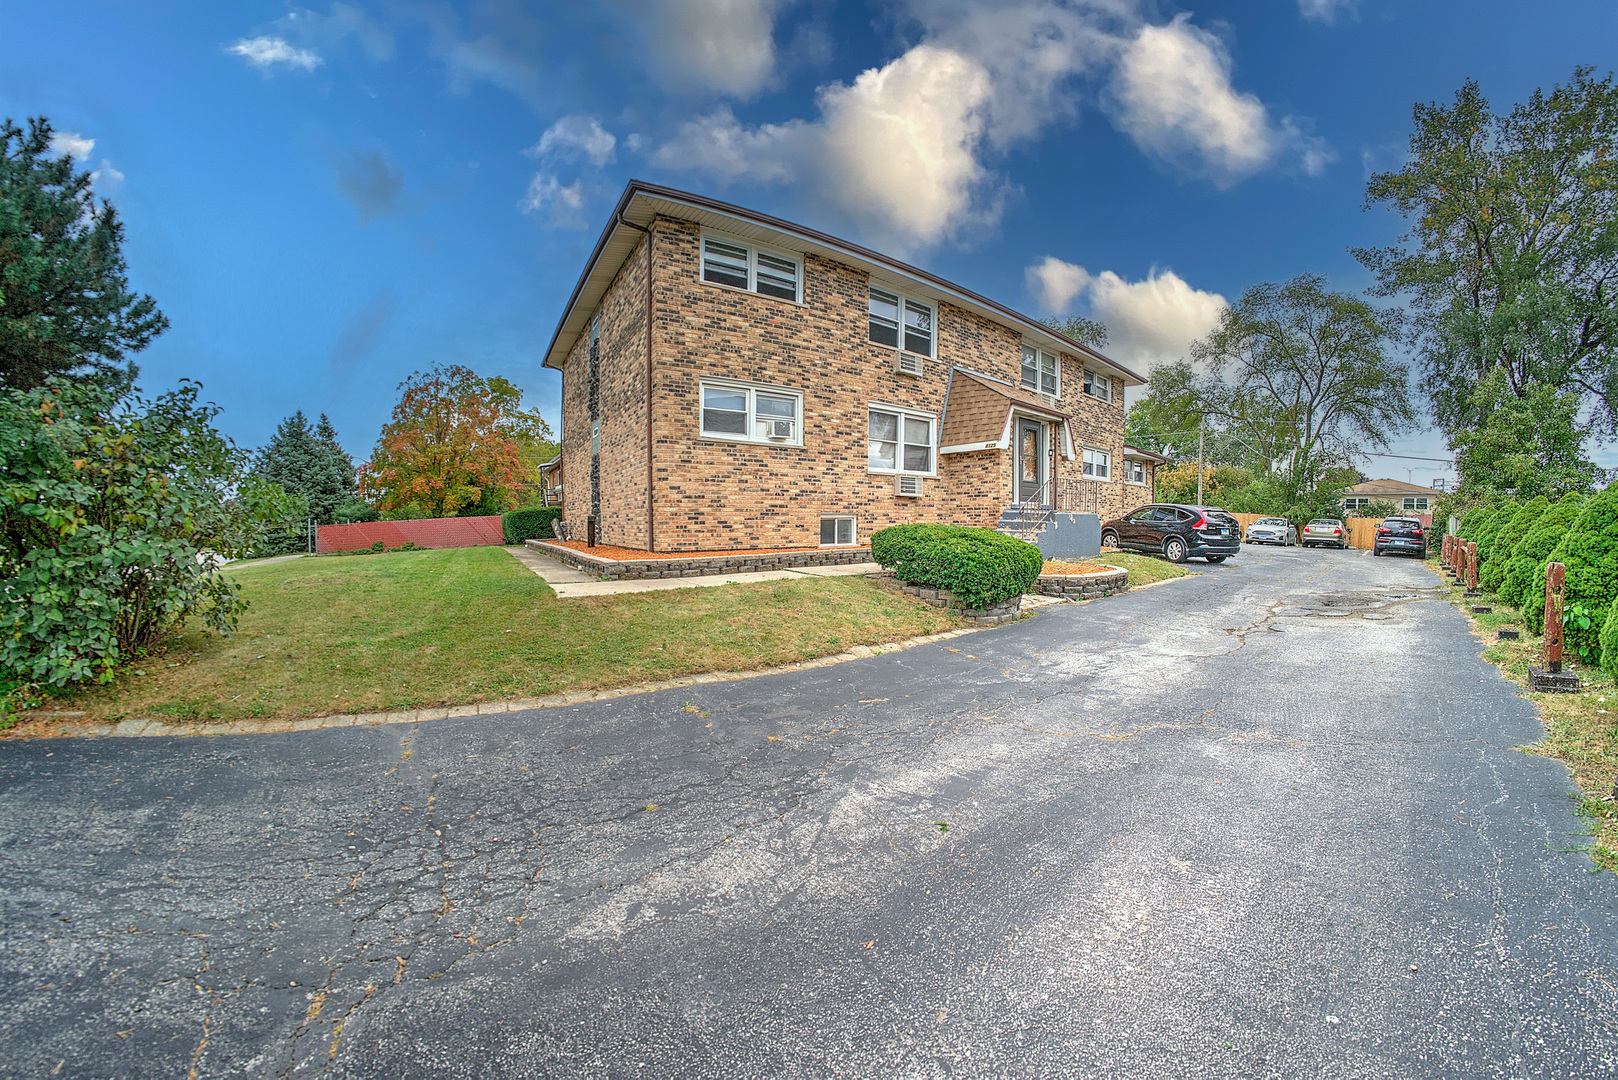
1400,534
1176,531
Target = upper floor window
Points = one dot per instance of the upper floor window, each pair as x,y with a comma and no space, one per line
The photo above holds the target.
896,318
900,441
1097,385
1041,372
739,266
751,413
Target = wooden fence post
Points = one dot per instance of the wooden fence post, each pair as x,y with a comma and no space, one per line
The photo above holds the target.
1471,568
1552,678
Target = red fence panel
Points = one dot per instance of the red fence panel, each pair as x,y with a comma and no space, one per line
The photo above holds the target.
422,532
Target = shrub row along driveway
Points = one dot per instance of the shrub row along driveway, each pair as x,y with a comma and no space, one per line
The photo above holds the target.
1266,821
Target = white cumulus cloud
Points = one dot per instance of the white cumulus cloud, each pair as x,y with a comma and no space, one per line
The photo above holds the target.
563,203
1325,10
574,136
1149,322
73,145
266,52
106,175
717,46
1174,97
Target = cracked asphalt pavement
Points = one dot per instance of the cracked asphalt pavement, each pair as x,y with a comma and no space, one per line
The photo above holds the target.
1268,821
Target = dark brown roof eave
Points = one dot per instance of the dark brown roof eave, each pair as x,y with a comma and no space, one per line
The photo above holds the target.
635,187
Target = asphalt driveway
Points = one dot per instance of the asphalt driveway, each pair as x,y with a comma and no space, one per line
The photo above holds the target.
1265,822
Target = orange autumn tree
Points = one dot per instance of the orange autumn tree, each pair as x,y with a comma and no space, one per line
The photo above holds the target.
452,444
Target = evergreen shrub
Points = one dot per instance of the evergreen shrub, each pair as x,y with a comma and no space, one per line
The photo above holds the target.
1525,573
980,567
1493,572
1589,550
532,524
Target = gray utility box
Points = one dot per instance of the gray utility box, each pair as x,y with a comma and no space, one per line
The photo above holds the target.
1071,536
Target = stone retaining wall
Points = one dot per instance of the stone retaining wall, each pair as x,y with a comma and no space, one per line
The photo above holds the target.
943,598
1083,586
735,562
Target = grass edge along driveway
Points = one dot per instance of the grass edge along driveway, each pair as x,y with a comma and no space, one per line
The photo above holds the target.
459,626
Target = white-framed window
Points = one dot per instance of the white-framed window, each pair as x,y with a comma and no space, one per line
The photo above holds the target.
901,322
748,413
1417,503
1354,502
737,264
1097,464
1097,385
1041,371
837,531
1134,471
899,441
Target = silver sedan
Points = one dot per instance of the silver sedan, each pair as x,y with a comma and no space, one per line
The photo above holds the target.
1273,530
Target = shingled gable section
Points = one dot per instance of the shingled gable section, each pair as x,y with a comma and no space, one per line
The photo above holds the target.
975,418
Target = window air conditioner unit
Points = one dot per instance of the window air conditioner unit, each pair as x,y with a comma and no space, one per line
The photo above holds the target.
908,487
907,363
780,429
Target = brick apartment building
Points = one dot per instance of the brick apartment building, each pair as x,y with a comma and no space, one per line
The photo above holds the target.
796,390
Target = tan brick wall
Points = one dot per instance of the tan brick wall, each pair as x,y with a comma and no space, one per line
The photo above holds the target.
622,404
718,495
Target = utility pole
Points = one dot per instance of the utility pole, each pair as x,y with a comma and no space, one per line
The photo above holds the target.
1199,461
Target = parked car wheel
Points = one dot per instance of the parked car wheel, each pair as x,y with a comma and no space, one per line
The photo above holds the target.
1174,549
1217,558
1109,539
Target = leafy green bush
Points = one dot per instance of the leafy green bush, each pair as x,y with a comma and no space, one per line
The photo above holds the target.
532,524
979,566
1609,642
1504,542
1589,550
113,515
355,511
1475,520
1581,632
1525,573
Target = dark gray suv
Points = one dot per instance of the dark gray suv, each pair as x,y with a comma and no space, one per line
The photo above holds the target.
1176,531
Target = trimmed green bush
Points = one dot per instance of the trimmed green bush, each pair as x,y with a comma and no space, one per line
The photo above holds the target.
532,524
1525,573
1609,642
1589,550
980,567
1490,527
1469,521
1504,542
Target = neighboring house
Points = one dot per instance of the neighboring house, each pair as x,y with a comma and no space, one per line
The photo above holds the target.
1407,498
550,482
798,390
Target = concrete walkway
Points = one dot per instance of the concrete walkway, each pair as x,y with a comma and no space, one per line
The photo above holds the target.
569,583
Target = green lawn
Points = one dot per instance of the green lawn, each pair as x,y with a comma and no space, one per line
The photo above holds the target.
1143,569
429,628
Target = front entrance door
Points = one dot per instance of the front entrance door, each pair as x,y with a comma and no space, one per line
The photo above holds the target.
1030,463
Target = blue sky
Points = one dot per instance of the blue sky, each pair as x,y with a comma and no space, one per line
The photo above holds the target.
326,199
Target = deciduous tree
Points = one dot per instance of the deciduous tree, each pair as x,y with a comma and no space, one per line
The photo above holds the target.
1511,258
451,445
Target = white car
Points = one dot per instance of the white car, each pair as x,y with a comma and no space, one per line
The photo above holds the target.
1273,530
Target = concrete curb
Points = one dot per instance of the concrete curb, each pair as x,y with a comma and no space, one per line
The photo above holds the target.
138,728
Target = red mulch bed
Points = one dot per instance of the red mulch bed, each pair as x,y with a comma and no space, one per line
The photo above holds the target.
607,551
1063,566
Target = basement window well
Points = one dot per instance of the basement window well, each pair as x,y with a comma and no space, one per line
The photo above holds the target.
837,532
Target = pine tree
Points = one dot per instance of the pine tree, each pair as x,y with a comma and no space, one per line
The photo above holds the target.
308,462
1525,573
65,304
1485,533
1493,574
1589,550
